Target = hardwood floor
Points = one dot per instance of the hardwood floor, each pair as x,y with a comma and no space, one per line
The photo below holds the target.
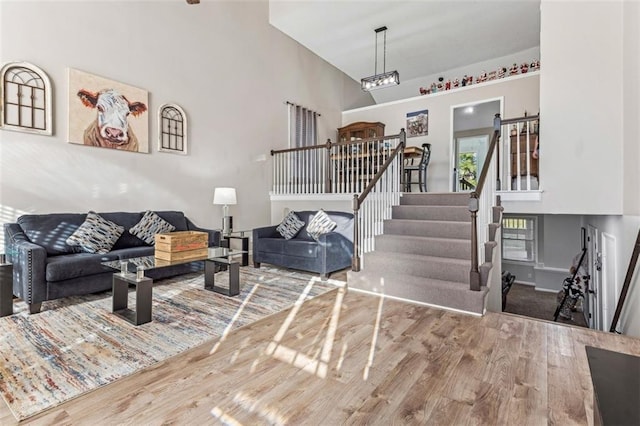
351,358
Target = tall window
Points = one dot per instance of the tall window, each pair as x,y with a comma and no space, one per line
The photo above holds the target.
519,239
26,99
172,132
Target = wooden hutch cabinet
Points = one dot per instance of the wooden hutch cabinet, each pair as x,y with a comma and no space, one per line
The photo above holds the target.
524,154
360,130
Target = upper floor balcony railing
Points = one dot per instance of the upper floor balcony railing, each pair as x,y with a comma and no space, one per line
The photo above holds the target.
341,168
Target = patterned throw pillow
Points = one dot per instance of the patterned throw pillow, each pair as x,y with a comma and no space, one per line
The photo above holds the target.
150,225
290,226
96,234
320,224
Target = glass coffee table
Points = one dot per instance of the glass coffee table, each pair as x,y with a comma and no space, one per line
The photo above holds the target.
132,272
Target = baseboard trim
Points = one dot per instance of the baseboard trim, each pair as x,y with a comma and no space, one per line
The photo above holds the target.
446,308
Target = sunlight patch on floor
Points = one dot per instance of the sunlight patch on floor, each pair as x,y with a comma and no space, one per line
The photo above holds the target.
236,315
374,338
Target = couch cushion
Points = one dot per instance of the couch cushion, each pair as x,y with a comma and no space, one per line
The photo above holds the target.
52,230
320,224
96,234
150,225
290,226
76,265
177,219
301,248
127,220
272,245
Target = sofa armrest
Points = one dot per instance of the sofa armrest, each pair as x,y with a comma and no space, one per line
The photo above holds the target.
266,232
214,235
29,264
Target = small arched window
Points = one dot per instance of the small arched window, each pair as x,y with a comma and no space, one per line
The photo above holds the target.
172,131
26,99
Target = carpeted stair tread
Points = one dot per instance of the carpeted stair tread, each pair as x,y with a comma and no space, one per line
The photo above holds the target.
419,212
428,228
442,293
425,246
435,199
441,268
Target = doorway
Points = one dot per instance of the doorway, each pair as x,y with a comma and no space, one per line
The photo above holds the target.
471,130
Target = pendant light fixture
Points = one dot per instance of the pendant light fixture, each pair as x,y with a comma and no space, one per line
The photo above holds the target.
386,79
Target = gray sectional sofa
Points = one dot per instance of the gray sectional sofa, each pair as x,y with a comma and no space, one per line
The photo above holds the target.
331,252
45,267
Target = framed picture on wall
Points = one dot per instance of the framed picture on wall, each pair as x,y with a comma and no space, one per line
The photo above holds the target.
106,113
418,123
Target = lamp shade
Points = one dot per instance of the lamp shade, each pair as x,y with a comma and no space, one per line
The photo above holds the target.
224,196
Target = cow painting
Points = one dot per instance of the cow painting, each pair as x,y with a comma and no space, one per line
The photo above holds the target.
111,128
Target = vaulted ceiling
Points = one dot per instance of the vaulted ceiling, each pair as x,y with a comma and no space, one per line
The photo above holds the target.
423,37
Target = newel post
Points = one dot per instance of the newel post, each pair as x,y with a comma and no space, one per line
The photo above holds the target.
355,260
328,168
474,274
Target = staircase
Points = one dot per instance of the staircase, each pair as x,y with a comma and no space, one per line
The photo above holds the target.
424,254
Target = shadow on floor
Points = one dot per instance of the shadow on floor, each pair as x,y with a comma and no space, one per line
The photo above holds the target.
526,301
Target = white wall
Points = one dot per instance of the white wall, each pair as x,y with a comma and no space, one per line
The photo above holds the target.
581,86
221,61
520,94
631,99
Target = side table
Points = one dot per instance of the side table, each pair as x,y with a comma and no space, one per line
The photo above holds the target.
6,287
144,287
233,269
238,235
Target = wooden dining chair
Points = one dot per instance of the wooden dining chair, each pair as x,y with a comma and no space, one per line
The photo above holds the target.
420,168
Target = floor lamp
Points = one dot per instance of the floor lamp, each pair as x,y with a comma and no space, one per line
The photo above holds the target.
225,197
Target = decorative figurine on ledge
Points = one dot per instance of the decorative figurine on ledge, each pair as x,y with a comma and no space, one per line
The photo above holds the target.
456,83
524,67
492,75
464,80
423,91
447,85
440,84
535,65
514,69
502,72
434,88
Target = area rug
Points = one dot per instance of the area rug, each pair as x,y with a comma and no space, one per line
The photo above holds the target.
76,345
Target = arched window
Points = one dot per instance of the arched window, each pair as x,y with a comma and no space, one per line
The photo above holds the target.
26,99
172,131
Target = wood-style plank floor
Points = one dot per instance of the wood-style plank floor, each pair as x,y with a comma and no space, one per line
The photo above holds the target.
350,358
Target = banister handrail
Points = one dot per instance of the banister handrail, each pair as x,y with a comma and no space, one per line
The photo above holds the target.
329,144
474,205
485,167
627,283
359,199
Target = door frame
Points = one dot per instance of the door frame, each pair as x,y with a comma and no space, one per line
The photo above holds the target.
593,313
452,138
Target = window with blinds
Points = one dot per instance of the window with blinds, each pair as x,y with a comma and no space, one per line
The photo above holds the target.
519,239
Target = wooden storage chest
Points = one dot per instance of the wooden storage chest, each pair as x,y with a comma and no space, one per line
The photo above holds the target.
181,245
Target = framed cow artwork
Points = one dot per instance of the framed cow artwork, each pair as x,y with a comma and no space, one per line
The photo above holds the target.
107,114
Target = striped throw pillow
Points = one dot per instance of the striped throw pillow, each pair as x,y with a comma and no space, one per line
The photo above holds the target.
150,225
290,226
320,224
96,234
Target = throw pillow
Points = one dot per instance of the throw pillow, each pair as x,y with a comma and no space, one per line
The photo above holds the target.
150,225
96,234
320,224
290,226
